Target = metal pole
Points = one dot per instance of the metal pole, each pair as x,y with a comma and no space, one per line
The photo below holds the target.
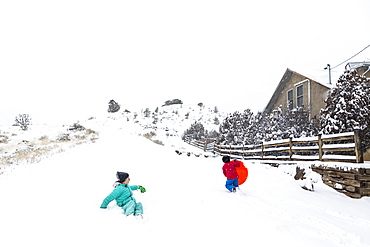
328,67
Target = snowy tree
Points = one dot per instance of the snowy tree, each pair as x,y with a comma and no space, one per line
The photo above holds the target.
286,123
216,109
348,106
212,134
196,131
216,121
147,112
300,125
113,106
278,125
173,102
23,120
235,128
249,129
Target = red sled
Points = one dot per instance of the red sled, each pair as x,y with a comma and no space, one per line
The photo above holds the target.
242,172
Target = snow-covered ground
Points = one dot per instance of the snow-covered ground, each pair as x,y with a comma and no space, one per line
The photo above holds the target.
56,202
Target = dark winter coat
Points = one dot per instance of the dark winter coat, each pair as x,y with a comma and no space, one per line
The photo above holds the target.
230,171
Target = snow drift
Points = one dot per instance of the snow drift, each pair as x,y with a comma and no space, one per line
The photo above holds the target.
56,202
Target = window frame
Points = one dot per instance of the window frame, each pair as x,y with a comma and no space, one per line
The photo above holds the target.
290,99
300,97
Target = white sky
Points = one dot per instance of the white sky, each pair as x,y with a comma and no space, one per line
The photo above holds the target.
67,59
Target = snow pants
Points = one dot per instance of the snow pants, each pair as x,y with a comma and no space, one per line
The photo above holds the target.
231,183
133,207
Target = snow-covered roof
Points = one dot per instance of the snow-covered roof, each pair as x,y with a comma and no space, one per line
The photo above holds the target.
314,76
356,65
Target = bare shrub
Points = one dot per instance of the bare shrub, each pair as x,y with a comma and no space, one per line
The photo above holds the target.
4,139
23,120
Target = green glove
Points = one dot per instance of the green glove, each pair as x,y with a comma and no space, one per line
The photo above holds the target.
142,189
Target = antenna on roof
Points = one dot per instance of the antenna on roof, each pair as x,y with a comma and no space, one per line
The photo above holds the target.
328,67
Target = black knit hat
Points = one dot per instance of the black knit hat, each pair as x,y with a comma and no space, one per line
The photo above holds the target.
226,159
122,176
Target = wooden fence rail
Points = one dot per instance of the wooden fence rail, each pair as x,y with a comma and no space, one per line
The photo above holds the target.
343,147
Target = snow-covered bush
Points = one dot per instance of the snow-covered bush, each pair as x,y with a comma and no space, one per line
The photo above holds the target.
4,139
77,127
63,137
249,129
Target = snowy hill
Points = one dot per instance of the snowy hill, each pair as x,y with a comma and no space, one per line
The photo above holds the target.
56,202
164,125
175,119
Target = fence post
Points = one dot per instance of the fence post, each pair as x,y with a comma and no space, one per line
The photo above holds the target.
262,147
358,147
290,148
320,147
205,145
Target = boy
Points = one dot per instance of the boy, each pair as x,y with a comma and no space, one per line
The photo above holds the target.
122,193
230,173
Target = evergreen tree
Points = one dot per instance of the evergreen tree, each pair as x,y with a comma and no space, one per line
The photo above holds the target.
216,109
196,131
278,125
258,129
235,128
173,102
113,106
348,106
249,129
216,121
147,112
286,123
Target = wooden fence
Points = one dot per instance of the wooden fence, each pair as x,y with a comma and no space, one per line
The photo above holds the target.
343,147
208,145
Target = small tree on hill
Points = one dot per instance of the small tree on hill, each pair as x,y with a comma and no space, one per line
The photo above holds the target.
173,102
113,106
196,131
216,109
147,112
23,120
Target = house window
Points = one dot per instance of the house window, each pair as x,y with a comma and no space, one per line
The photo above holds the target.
290,99
300,96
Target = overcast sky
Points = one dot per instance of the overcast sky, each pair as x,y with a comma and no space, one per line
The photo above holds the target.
67,59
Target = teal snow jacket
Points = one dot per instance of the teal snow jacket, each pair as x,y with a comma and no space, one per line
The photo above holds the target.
122,194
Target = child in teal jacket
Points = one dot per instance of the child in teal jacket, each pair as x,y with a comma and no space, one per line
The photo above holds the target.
122,193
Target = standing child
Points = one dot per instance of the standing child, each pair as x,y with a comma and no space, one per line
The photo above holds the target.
122,193
230,173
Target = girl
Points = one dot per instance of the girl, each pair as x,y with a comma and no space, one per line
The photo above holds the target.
122,193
